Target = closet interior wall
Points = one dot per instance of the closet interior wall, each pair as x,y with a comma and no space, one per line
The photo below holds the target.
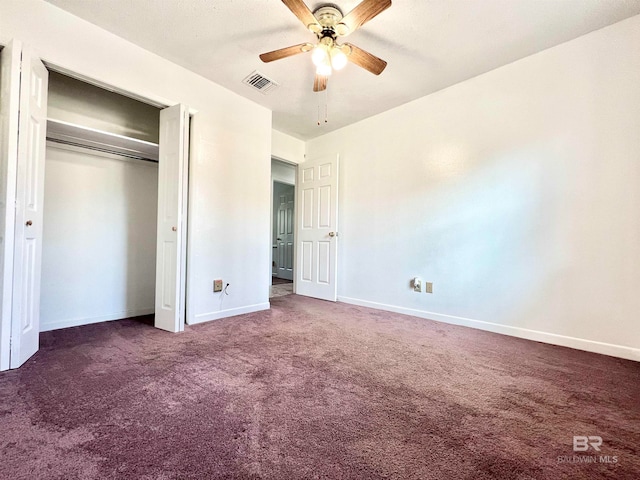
100,209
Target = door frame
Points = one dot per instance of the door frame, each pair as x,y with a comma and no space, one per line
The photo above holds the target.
295,209
6,323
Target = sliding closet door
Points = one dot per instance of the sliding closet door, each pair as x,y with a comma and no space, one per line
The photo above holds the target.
25,328
9,114
171,247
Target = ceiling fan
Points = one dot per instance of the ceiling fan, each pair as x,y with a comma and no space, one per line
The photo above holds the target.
328,23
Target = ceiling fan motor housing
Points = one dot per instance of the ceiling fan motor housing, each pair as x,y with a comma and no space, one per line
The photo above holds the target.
329,17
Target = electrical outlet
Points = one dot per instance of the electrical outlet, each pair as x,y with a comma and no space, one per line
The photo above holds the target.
428,287
417,285
217,285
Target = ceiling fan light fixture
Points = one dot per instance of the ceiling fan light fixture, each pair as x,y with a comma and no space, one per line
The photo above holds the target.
324,69
338,58
328,23
320,55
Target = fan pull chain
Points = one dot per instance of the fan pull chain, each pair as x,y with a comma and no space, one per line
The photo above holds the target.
326,106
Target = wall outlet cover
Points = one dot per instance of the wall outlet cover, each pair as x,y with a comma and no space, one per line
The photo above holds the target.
217,285
429,287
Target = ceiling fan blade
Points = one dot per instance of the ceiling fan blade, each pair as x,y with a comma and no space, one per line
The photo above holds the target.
365,11
285,52
365,60
300,10
320,83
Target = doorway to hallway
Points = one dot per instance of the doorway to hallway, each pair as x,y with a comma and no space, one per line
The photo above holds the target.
283,176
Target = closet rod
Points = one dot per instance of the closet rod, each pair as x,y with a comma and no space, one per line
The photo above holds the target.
98,149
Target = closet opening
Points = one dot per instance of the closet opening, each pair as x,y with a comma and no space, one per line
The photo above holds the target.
99,182
100,206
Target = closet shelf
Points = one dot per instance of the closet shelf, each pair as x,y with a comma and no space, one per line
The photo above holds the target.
77,135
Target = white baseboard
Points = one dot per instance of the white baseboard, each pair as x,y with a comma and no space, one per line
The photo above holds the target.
207,317
620,351
76,322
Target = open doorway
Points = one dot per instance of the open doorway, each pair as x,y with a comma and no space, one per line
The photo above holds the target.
283,179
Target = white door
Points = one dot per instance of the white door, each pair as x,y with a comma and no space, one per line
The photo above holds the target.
316,232
9,114
172,225
284,229
25,316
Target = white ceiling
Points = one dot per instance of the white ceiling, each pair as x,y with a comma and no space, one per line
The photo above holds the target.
429,44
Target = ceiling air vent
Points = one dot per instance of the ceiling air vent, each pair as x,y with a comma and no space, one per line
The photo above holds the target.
260,82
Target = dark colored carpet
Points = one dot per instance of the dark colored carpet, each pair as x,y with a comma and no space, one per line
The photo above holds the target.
280,281
313,389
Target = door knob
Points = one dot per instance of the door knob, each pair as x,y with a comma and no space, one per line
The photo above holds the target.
29,223
175,229
333,234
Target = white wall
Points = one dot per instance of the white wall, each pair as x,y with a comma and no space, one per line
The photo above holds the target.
99,242
286,147
230,157
517,193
